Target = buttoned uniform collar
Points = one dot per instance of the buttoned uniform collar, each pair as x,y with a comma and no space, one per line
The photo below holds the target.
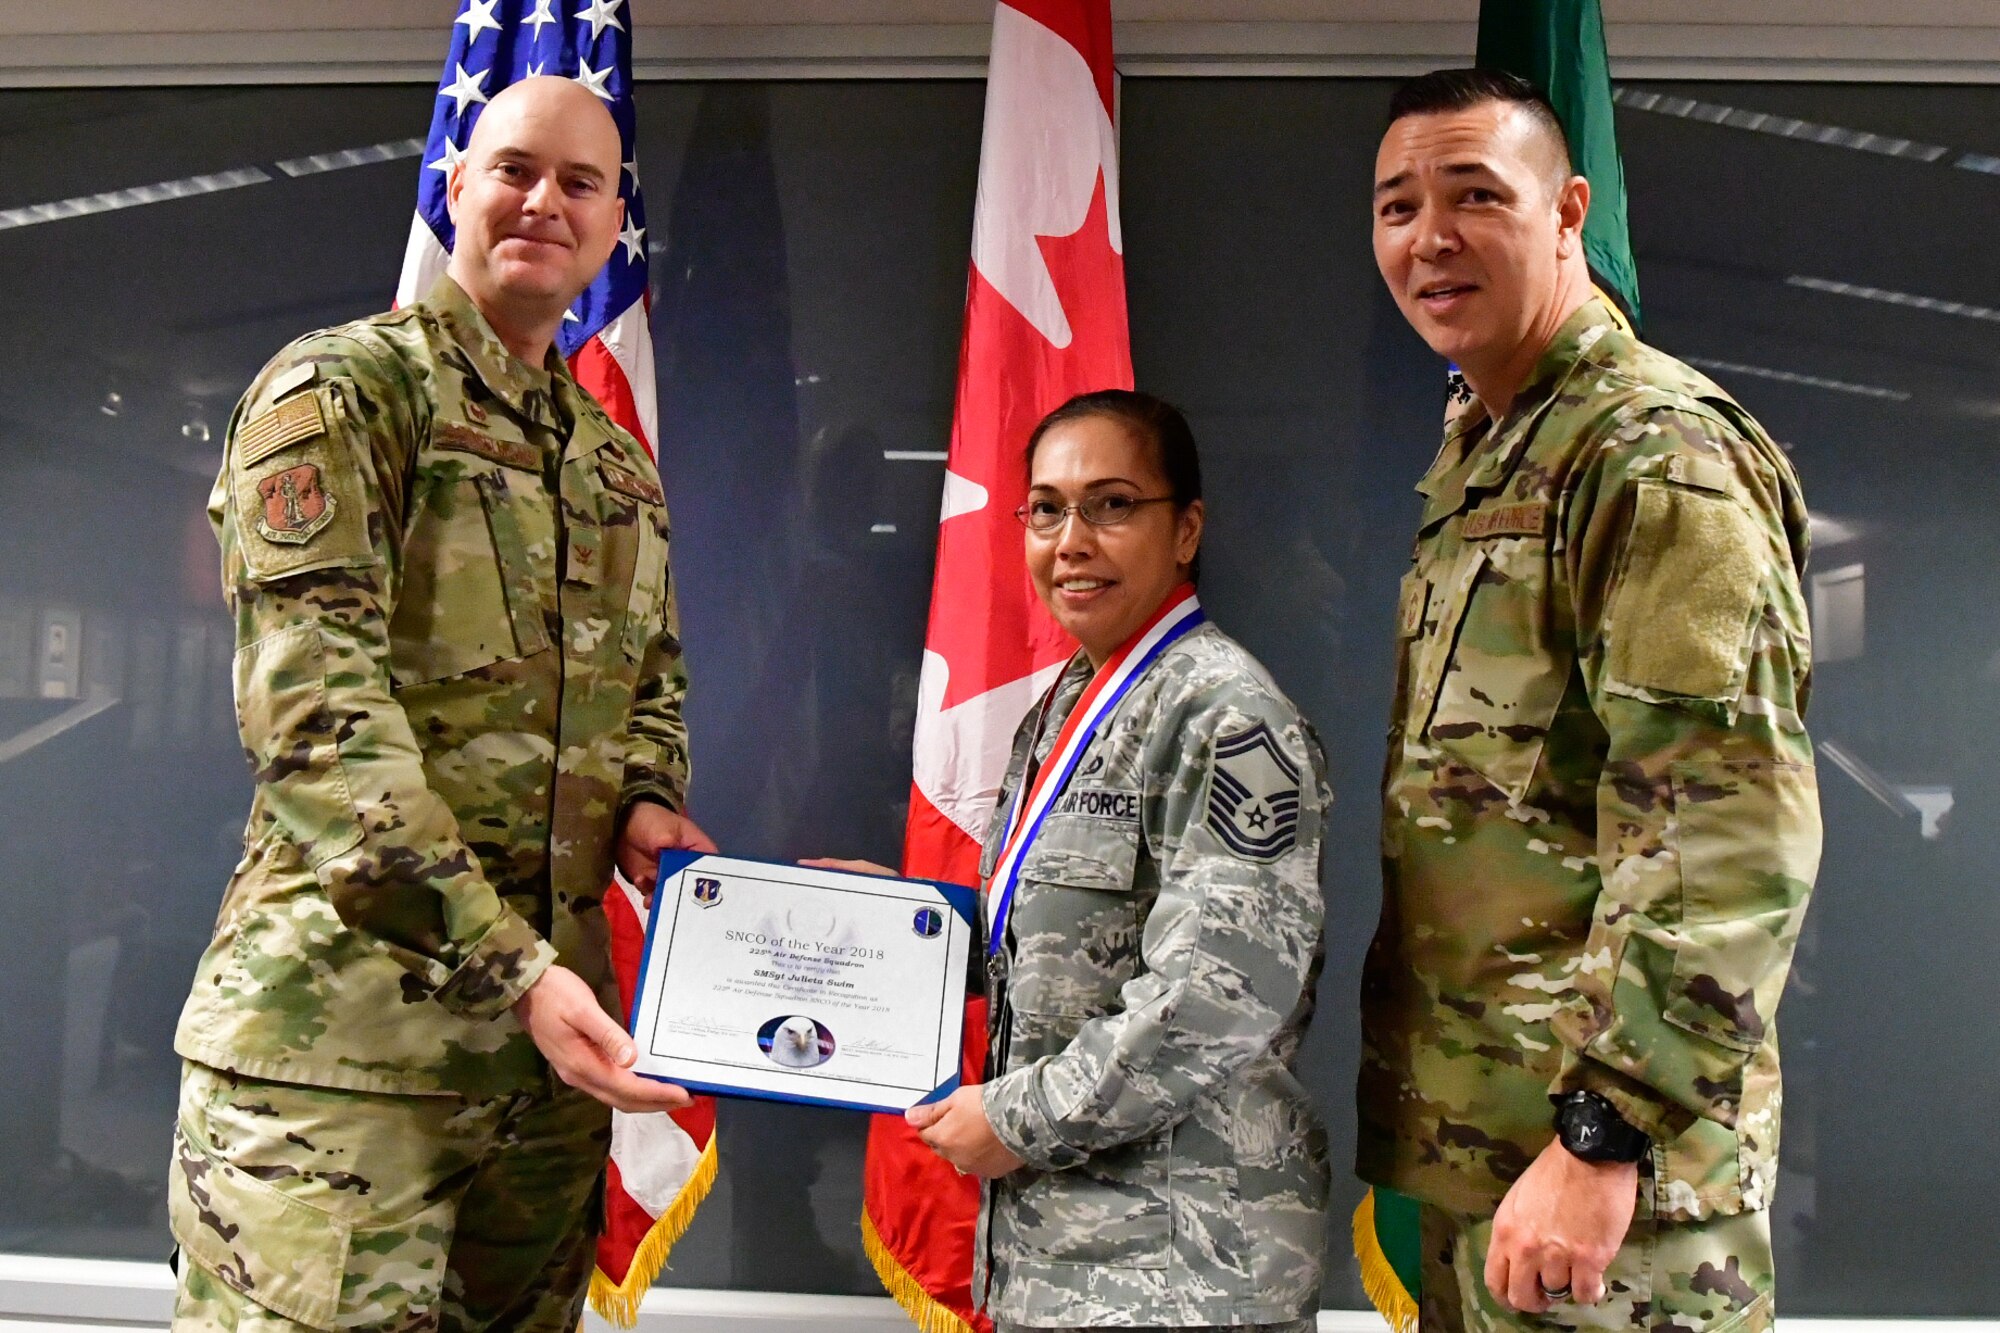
1499,443
528,390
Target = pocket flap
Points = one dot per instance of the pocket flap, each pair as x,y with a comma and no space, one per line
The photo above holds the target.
1082,852
281,1252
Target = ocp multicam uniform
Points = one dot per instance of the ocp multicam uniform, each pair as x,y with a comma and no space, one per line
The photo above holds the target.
457,664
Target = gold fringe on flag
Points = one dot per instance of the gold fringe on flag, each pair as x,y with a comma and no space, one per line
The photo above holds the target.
924,1310
1617,311
618,1302
1378,1277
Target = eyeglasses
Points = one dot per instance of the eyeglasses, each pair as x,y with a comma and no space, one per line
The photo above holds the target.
1101,511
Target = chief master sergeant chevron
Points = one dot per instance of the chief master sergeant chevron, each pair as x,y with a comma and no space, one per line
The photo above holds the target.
459,689
1600,821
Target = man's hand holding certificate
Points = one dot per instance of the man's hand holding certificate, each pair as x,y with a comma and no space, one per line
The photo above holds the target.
800,983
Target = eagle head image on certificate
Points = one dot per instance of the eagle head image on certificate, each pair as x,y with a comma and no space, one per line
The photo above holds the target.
796,1042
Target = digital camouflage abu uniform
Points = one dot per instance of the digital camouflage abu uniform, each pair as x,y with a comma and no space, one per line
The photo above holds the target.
456,662
1156,979
1600,821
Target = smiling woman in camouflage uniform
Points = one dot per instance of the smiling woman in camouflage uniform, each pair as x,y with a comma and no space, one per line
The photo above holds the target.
1153,901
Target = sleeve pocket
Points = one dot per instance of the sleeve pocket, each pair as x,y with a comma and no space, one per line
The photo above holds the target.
293,740
300,502
1692,583
1743,893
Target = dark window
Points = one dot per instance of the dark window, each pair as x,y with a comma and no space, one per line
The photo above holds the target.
809,255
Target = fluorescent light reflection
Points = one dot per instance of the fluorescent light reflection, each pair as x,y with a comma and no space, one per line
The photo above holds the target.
1802,380
112,200
391,151
1783,127
1828,531
1834,287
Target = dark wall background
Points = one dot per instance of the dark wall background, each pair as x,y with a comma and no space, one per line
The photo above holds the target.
809,255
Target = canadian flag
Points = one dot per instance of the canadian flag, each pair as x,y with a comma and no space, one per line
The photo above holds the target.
1044,321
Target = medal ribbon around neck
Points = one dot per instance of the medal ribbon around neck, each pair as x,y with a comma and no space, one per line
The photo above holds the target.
1177,615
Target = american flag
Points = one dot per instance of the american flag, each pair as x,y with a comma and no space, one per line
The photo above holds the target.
494,43
661,1165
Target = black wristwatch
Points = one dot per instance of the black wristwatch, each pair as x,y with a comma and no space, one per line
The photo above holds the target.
1591,1129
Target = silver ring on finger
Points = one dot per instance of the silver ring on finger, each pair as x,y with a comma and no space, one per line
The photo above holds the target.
1561,1293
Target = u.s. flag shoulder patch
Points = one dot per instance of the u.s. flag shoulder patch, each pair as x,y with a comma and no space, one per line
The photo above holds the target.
302,417
1253,795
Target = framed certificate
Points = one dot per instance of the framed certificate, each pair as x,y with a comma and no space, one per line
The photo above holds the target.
762,979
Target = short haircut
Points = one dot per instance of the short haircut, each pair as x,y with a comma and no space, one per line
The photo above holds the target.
1153,421
1444,90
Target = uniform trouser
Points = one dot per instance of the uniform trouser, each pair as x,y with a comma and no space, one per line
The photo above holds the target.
317,1208
1687,1277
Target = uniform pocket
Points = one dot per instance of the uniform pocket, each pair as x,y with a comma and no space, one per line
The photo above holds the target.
282,1253
293,740
1078,851
1496,664
636,560
300,505
1076,918
1688,595
1114,1209
1743,892
469,596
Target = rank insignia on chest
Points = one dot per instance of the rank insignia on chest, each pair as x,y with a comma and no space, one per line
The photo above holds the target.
1253,795
1410,613
296,505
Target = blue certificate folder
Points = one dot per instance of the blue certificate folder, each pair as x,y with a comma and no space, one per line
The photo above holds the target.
787,983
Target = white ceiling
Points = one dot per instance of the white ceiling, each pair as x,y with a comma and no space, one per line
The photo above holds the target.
57,42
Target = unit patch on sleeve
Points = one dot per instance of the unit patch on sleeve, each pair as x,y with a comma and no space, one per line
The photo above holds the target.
296,507
1253,795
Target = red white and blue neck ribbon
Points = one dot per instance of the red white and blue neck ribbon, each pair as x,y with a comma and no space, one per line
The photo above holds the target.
1177,615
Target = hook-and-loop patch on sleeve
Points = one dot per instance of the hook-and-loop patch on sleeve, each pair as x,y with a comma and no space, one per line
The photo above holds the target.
1684,610
298,498
1253,795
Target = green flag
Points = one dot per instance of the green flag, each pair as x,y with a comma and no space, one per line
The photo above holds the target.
1557,45
1387,1245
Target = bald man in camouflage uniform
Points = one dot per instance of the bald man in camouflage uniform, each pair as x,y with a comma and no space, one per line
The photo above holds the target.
459,689
1600,824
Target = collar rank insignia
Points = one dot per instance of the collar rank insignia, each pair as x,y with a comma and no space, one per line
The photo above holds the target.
1253,795
296,505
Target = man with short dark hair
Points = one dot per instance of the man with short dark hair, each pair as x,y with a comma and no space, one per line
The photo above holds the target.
1600,822
459,687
